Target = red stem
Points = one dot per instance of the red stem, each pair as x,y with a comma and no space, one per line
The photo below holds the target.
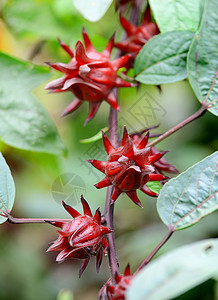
155,250
109,207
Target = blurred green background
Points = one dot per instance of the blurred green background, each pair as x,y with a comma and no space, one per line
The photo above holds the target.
29,31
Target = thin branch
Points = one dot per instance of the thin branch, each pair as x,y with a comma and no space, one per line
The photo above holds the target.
193,117
155,250
109,207
14,220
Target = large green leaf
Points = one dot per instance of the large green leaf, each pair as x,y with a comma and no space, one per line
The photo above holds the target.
163,58
7,188
92,10
35,17
24,123
176,272
203,57
192,195
173,15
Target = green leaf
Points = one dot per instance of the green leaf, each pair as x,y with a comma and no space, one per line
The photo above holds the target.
202,61
92,10
24,123
176,272
37,18
163,58
173,15
154,186
192,195
94,138
7,188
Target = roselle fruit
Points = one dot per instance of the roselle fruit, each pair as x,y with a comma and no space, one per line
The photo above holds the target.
116,291
129,167
137,36
90,76
80,238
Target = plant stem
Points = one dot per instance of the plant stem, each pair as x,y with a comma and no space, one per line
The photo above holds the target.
109,207
155,250
193,117
14,220
33,220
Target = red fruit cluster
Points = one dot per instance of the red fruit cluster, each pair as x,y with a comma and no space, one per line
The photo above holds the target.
137,36
80,238
117,291
90,76
129,167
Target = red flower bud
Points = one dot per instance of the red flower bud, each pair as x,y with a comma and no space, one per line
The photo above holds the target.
129,167
137,36
90,76
82,237
117,291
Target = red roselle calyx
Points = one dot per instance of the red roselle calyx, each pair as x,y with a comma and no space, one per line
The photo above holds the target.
116,291
162,165
90,76
82,237
129,167
137,36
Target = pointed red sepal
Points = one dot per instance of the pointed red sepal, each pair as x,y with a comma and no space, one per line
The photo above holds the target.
144,141
86,208
55,84
105,230
107,144
58,245
147,191
105,246
133,196
59,224
80,54
100,165
153,158
128,150
117,277
98,260
122,83
110,289
64,234
87,41
74,213
121,62
97,216
147,16
103,183
93,108
107,51
66,48
157,177
125,136
111,99
73,106
64,68
129,27
83,265
127,271
116,193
